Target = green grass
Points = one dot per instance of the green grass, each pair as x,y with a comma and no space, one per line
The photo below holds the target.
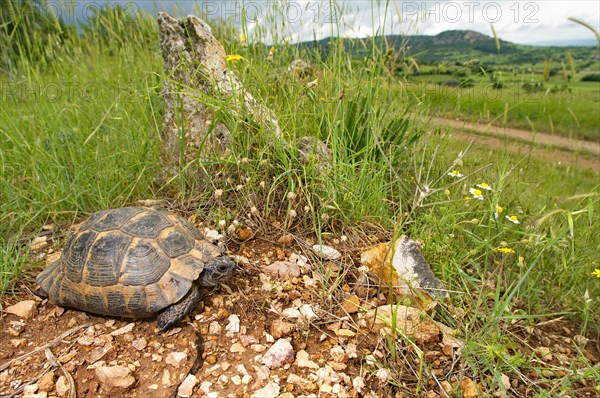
94,145
566,113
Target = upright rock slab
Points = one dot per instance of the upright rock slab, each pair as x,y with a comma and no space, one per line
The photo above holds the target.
196,76
402,264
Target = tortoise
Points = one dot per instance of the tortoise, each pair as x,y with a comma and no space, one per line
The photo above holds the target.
135,262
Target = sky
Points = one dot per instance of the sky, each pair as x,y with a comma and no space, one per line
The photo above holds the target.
525,22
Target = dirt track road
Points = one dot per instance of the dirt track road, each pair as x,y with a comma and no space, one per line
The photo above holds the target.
552,148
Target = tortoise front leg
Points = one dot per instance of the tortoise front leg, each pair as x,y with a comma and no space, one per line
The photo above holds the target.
176,312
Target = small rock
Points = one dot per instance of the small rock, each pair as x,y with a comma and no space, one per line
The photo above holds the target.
115,376
98,353
46,382
139,343
23,309
345,333
223,380
110,323
205,387
42,394
157,358
67,357
279,354
280,328
326,252
225,366
125,329
246,379
166,378
469,388
286,240
176,358
85,340
283,268
291,313
301,382
186,389
153,387
39,243
352,304
237,348
234,324
447,387
237,380
258,347
248,339
544,353
30,389
303,360
383,375
338,354
308,312
271,390
214,328
212,235
358,383
62,386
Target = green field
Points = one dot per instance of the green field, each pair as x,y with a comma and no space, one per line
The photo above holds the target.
80,131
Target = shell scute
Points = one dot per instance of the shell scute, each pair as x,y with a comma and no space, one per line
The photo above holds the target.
114,219
104,261
143,265
148,225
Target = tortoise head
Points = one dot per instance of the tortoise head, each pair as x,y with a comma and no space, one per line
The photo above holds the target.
217,270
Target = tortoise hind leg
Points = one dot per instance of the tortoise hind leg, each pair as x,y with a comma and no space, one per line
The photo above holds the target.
176,312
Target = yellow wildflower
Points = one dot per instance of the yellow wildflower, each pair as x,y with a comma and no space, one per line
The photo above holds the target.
498,211
234,58
596,273
455,173
505,250
243,38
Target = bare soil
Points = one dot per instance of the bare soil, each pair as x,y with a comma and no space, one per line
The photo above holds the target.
229,364
552,148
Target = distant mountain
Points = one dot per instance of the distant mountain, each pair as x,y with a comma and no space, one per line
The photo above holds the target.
457,46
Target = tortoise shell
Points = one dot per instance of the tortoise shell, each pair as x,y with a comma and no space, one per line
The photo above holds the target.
130,262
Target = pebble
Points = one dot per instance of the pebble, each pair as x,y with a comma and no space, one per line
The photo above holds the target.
258,347
338,354
280,328
23,309
176,358
326,252
214,328
383,375
223,380
303,360
157,358
98,353
237,348
125,329
301,382
62,386
279,354
291,313
85,340
246,379
345,333
186,389
139,343
358,383
115,376
286,240
237,380
351,304
308,312
67,357
271,390
30,389
166,378
234,324
248,339
283,269
46,382
153,387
